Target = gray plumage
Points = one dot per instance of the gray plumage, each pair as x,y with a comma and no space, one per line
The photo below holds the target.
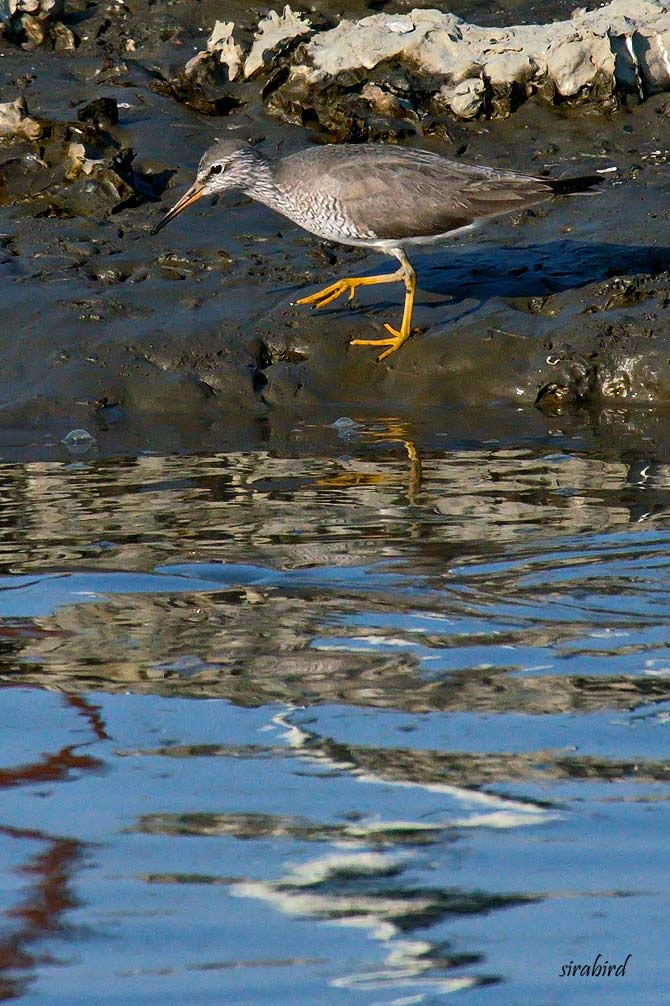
374,193
399,194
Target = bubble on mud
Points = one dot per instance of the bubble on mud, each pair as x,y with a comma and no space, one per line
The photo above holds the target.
346,427
346,424
78,441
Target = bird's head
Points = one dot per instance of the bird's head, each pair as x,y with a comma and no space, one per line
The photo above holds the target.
228,164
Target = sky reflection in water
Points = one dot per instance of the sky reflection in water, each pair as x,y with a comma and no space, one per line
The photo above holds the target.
386,725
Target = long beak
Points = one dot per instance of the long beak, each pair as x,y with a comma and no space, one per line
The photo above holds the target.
190,196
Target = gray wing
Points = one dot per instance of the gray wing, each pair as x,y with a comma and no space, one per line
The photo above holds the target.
396,193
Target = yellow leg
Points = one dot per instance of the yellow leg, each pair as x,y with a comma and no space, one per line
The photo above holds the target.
330,293
405,275
398,336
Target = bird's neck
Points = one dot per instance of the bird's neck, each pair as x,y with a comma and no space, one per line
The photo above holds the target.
264,188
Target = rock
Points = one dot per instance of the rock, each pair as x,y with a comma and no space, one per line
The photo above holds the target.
465,100
273,31
222,47
41,9
387,103
102,113
93,196
31,19
79,162
64,40
14,120
202,97
349,114
489,71
22,174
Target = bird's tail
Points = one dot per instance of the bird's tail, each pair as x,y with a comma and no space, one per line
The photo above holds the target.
565,186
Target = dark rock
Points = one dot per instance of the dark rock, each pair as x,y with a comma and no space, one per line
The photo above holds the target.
93,196
365,113
101,113
22,174
203,98
64,39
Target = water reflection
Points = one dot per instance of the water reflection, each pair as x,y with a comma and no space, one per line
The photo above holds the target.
437,667
367,883
45,864
512,560
46,899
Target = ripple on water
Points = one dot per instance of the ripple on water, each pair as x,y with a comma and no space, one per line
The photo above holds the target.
383,727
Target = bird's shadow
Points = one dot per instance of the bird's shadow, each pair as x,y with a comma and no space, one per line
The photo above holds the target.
536,270
462,273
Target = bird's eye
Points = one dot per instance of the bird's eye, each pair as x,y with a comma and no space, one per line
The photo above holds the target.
216,169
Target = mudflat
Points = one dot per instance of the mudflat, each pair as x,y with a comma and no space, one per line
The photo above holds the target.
107,327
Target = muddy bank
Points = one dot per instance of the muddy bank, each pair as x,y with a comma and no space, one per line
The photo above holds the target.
106,327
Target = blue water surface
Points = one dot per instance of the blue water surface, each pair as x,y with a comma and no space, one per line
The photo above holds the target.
345,742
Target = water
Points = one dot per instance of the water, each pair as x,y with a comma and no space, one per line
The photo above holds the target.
379,717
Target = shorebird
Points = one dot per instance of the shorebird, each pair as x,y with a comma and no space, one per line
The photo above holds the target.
373,195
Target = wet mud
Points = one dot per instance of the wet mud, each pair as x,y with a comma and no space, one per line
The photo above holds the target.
564,307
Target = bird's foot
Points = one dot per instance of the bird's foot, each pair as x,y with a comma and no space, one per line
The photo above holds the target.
330,293
399,337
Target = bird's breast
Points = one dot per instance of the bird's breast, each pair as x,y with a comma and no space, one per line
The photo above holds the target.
322,214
